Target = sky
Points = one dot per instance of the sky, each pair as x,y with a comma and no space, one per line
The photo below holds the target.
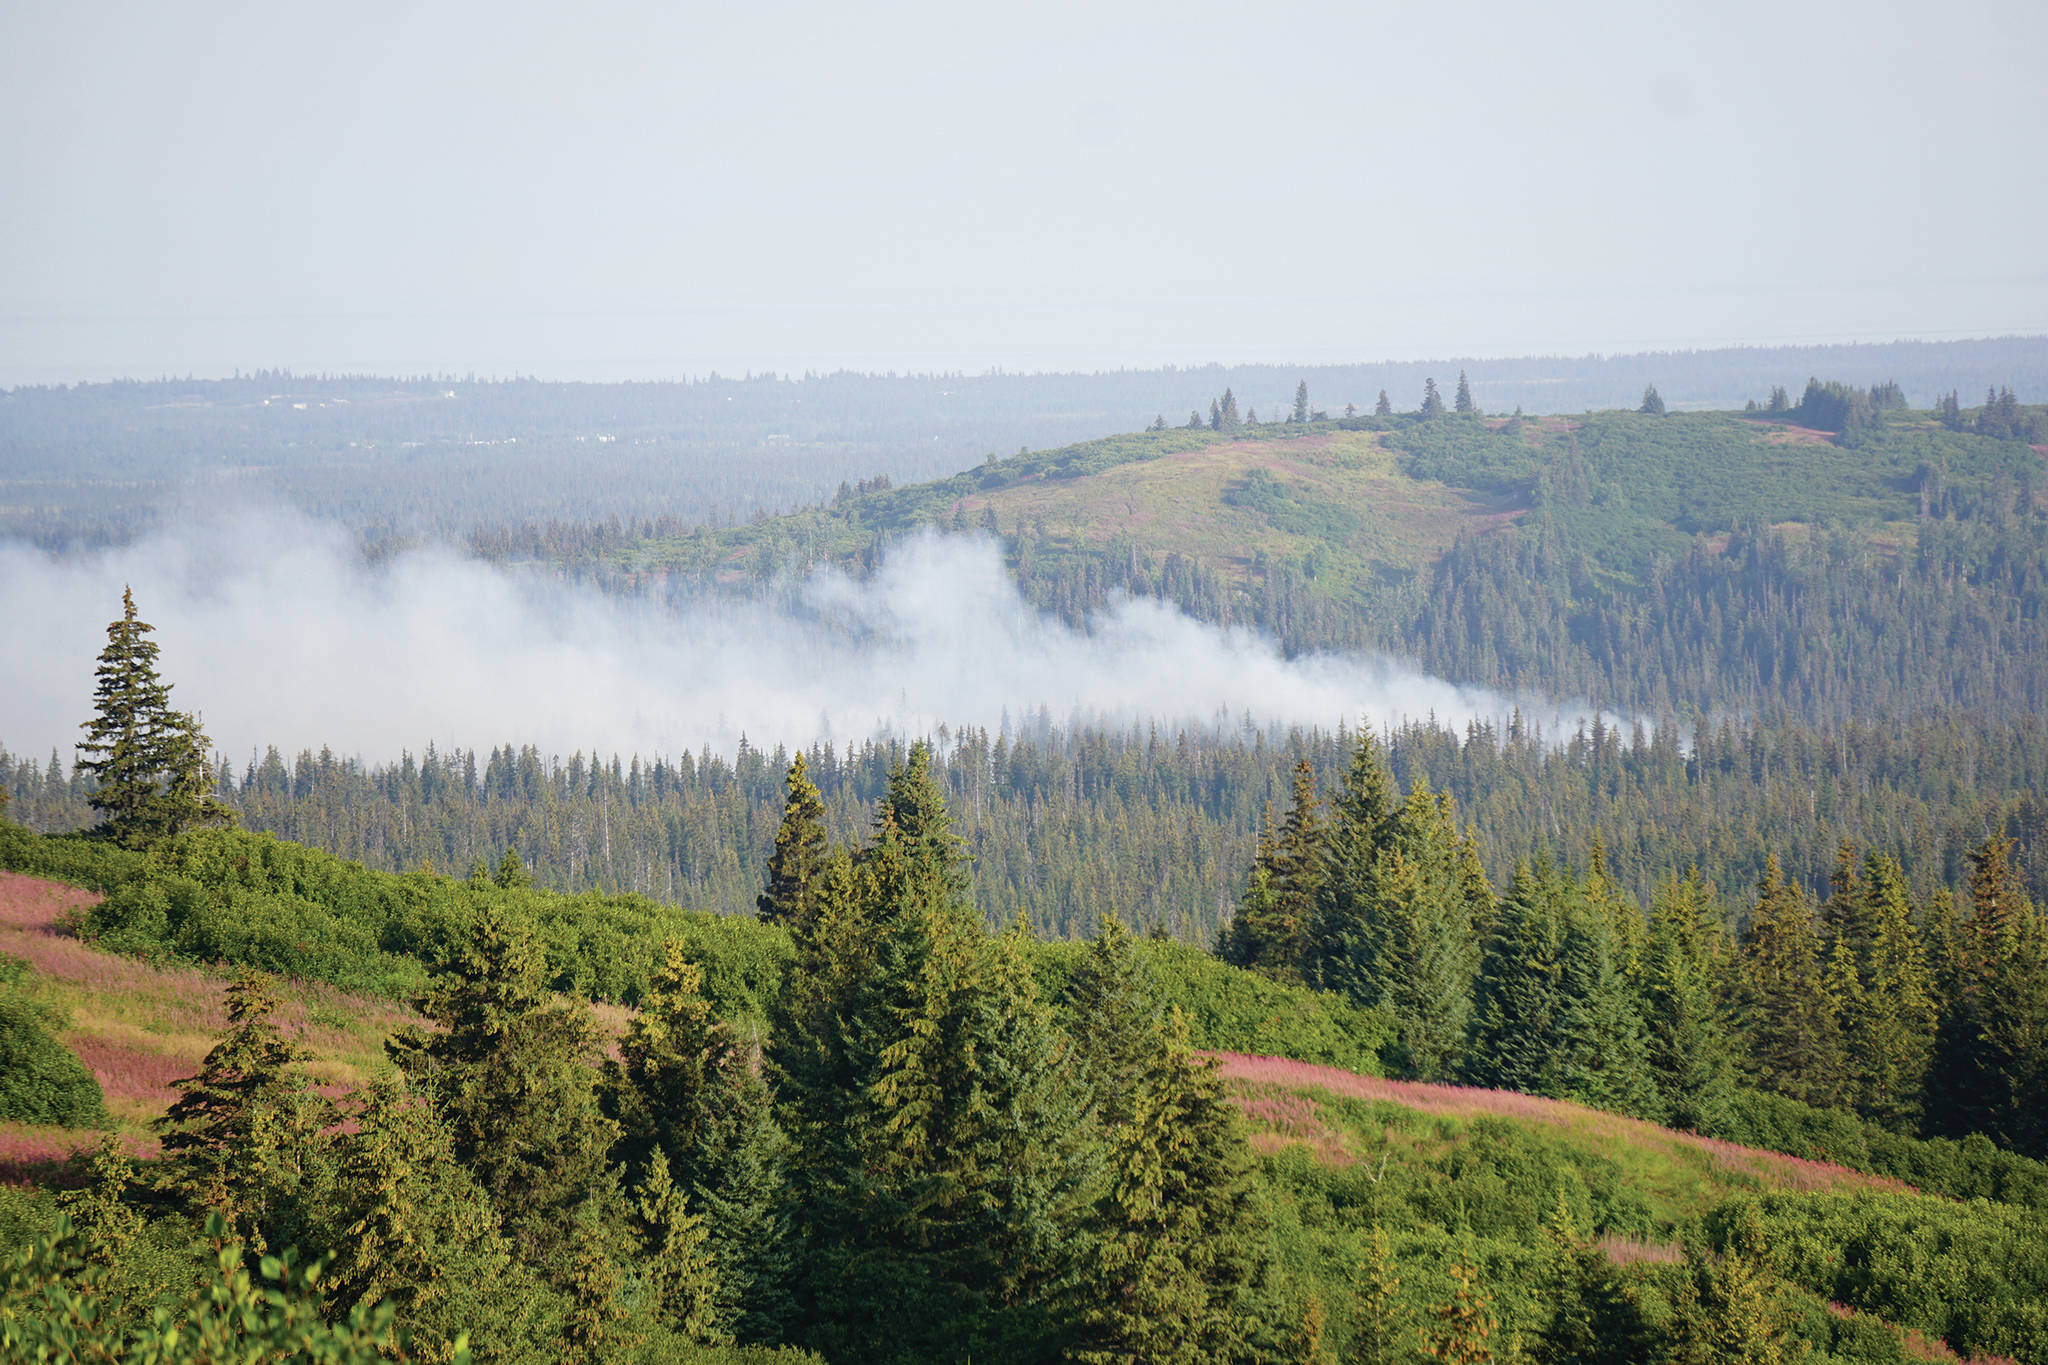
655,190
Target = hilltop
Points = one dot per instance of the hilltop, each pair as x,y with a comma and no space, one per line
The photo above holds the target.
1595,556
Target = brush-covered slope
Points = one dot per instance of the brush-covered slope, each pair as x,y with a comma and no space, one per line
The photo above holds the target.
1600,556
1449,1175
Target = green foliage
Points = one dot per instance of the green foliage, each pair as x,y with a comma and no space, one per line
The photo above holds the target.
53,1306
40,1080
1970,1168
798,863
1975,1275
243,1138
513,1073
1175,1250
149,763
686,1084
413,1230
1229,1009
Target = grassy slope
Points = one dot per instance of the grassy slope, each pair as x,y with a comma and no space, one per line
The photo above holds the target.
140,1027
1377,499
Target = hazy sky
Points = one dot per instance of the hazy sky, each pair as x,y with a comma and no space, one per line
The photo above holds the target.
645,190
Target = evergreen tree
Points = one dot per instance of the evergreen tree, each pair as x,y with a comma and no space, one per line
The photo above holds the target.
1890,1032
1462,1329
148,760
1690,1055
1462,400
1227,414
944,1168
1589,1317
801,848
1653,402
684,1083
1194,420
1384,1332
511,874
1384,406
514,1075
1176,1252
1602,1056
1432,401
243,1138
678,1264
411,1228
1780,402
1790,1018
1301,402
1518,1020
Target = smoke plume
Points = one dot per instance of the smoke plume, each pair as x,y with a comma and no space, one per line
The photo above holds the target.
277,633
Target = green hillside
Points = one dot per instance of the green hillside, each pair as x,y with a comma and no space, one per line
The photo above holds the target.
1598,556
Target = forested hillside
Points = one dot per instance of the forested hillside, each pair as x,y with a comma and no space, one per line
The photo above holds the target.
1667,564
1064,826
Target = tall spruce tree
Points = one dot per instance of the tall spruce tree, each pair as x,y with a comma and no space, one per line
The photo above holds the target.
1653,402
1788,1012
1690,1053
1888,1024
1517,1032
1432,401
1300,413
1175,1252
244,1138
685,1085
801,849
148,761
943,1170
1461,401
1384,406
409,1227
514,1074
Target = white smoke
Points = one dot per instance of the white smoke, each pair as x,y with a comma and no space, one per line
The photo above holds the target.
276,632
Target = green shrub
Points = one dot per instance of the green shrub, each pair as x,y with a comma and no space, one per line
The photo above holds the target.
1973,1168
1229,1009
78,859
40,1080
1974,1274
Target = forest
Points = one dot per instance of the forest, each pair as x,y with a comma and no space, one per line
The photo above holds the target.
1448,1048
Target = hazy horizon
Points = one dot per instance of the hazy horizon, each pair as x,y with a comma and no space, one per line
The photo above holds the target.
647,192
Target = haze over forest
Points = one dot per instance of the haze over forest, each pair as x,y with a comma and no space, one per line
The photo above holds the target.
1024,685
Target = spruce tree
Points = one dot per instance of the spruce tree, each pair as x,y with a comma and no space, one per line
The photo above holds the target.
944,1168
1690,1054
1518,1020
1790,1021
676,1261
684,1084
148,760
801,848
1589,1316
1602,1055
409,1227
1653,402
1432,401
514,1075
244,1137
1301,402
1384,407
1462,1327
1889,1029
1176,1252
1462,400
1384,1332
